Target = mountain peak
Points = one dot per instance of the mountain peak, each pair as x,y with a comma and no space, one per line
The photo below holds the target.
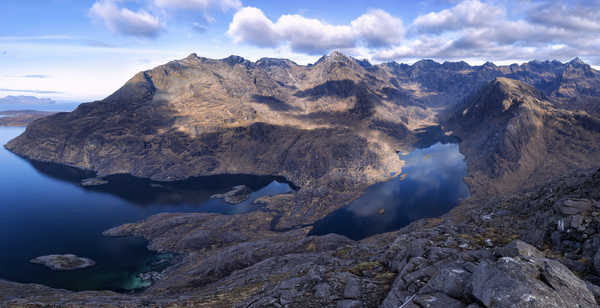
334,56
233,59
426,63
577,61
498,97
513,87
274,62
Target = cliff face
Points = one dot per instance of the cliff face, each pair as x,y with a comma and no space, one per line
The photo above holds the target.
199,116
323,123
513,137
332,128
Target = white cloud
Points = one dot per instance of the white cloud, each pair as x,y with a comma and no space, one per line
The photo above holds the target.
199,4
251,25
312,36
469,13
124,21
485,31
577,17
378,28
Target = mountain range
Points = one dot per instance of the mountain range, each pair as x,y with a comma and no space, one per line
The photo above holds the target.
333,128
25,100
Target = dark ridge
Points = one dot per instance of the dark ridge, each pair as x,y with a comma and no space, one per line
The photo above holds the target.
336,88
273,103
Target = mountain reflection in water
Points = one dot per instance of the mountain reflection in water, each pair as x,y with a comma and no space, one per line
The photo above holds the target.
433,185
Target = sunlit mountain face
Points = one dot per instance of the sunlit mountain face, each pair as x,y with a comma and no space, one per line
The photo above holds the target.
202,153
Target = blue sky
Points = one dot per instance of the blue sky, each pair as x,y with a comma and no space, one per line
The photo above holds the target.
84,50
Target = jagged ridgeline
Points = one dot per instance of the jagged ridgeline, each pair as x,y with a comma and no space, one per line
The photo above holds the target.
338,122
333,128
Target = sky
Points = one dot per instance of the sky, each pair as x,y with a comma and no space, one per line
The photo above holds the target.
83,50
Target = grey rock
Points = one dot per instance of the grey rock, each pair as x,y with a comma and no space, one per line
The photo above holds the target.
352,288
573,206
452,280
323,290
577,222
397,296
569,287
519,248
512,282
596,261
594,289
438,300
64,262
349,304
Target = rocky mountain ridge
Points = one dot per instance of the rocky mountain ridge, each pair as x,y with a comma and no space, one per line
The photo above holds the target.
334,128
521,133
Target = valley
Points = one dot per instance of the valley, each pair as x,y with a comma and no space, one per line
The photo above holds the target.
524,138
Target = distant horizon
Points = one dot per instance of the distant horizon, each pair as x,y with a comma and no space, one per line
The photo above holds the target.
12,92
90,48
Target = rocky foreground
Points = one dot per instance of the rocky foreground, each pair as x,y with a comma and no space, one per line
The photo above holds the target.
528,236
492,253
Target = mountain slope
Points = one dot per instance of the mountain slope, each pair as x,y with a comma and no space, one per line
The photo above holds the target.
513,136
200,116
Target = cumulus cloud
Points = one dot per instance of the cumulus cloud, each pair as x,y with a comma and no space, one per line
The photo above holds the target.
251,25
124,21
307,35
469,13
199,4
474,29
577,17
378,28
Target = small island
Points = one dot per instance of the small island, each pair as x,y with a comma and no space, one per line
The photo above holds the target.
238,194
93,182
66,262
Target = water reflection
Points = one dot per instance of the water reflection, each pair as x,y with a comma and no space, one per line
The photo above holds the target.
432,186
196,191
45,210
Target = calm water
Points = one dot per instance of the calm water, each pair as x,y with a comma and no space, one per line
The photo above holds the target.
57,107
433,185
44,210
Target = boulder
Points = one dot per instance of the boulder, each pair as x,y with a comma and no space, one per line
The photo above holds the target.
573,206
519,248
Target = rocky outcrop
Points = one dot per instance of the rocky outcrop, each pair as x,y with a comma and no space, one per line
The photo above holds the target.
67,262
